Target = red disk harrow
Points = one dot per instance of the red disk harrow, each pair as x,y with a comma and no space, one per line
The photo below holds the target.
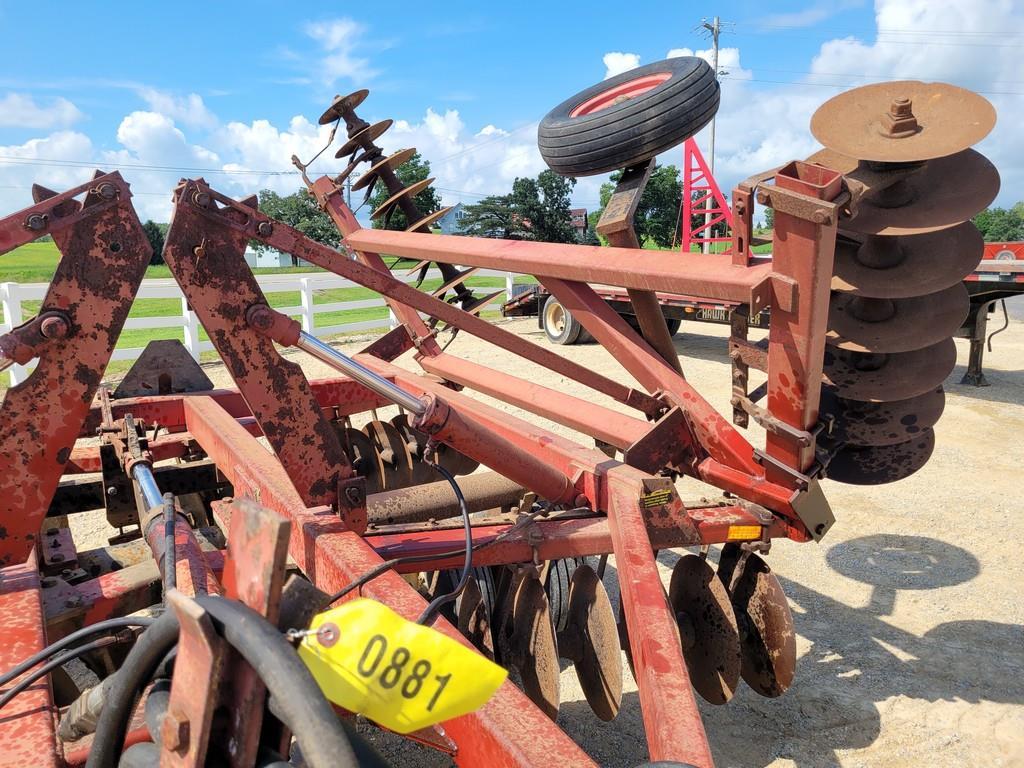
246,512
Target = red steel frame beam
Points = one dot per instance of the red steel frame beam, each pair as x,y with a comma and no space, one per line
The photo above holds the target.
292,241
27,723
709,276
333,557
669,710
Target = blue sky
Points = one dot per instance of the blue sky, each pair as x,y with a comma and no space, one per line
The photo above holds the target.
237,88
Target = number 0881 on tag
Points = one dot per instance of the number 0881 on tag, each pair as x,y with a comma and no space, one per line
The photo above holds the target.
402,675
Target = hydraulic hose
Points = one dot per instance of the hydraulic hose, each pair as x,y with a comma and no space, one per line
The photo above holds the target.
299,703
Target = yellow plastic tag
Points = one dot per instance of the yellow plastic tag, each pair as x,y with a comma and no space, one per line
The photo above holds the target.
400,674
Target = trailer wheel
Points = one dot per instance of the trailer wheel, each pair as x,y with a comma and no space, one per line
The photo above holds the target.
674,324
559,324
629,118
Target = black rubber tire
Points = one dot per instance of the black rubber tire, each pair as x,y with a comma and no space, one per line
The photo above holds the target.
633,130
571,328
673,323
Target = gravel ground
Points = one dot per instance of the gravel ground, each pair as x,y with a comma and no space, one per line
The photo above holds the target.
909,616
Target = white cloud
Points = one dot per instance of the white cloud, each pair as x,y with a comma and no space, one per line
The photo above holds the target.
152,139
36,164
188,110
21,111
728,61
616,63
759,127
339,39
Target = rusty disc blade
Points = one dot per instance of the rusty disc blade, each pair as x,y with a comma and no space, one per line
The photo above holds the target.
707,628
394,453
391,161
416,442
942,193
590,639
911,265
368,134
343,104
862,324
879,464
888,423
429,219
412,190
473,618
946,119
530,645
766,622
454,461
887,377
364,458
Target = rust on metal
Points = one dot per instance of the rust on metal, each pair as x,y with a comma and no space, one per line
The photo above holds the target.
707,628
104,256
903,121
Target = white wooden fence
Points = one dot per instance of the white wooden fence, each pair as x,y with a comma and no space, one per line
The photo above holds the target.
13,294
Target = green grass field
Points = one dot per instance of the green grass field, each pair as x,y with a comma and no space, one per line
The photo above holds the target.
35,263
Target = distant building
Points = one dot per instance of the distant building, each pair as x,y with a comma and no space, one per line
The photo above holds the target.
269,257
579,221
451,222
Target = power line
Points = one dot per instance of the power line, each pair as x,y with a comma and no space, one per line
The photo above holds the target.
887,30
890,41
137,166
843,85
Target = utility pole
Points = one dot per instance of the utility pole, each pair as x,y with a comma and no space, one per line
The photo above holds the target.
348,187
714,28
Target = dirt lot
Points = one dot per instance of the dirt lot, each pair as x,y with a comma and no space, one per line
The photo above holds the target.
909,613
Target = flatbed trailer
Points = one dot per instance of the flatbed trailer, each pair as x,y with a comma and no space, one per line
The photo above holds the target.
998,276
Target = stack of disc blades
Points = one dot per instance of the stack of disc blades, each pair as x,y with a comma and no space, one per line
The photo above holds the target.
897,289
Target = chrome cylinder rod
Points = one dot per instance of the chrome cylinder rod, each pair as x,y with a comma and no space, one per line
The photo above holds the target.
360,373
143,475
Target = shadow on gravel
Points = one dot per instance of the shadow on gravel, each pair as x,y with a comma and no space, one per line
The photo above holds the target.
1004,386
856,660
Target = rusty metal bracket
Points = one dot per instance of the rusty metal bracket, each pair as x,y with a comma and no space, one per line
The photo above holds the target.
206,255
185,733
765,418
104,254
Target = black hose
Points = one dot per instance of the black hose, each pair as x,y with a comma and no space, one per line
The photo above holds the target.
387,565
135,673
467,568
300,704
65,642
63,658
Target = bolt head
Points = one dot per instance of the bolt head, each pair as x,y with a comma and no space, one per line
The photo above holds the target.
54,327
107,191
111,491
265,228
202,199
36,222
175,731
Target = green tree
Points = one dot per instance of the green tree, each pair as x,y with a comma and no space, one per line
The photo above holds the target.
301,211
657,218
1001,224
429,200
155,235
494,216
769,218
535,209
